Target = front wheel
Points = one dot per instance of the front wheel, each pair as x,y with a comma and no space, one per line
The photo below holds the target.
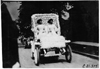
36,56
68,54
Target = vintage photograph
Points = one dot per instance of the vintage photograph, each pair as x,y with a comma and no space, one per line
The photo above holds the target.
50,34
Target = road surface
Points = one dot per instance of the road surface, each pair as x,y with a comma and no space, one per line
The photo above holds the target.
78,61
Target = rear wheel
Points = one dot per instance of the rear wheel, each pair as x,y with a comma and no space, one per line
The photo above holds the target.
32,55
36,56
68,54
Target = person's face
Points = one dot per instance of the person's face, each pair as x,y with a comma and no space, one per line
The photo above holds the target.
50,21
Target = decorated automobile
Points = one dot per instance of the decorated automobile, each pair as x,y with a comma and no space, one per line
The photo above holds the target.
48,40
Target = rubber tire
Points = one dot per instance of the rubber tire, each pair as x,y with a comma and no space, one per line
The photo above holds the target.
36,56
32,55
68,54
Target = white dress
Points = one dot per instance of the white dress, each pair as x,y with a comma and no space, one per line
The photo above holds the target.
41,31
52,39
